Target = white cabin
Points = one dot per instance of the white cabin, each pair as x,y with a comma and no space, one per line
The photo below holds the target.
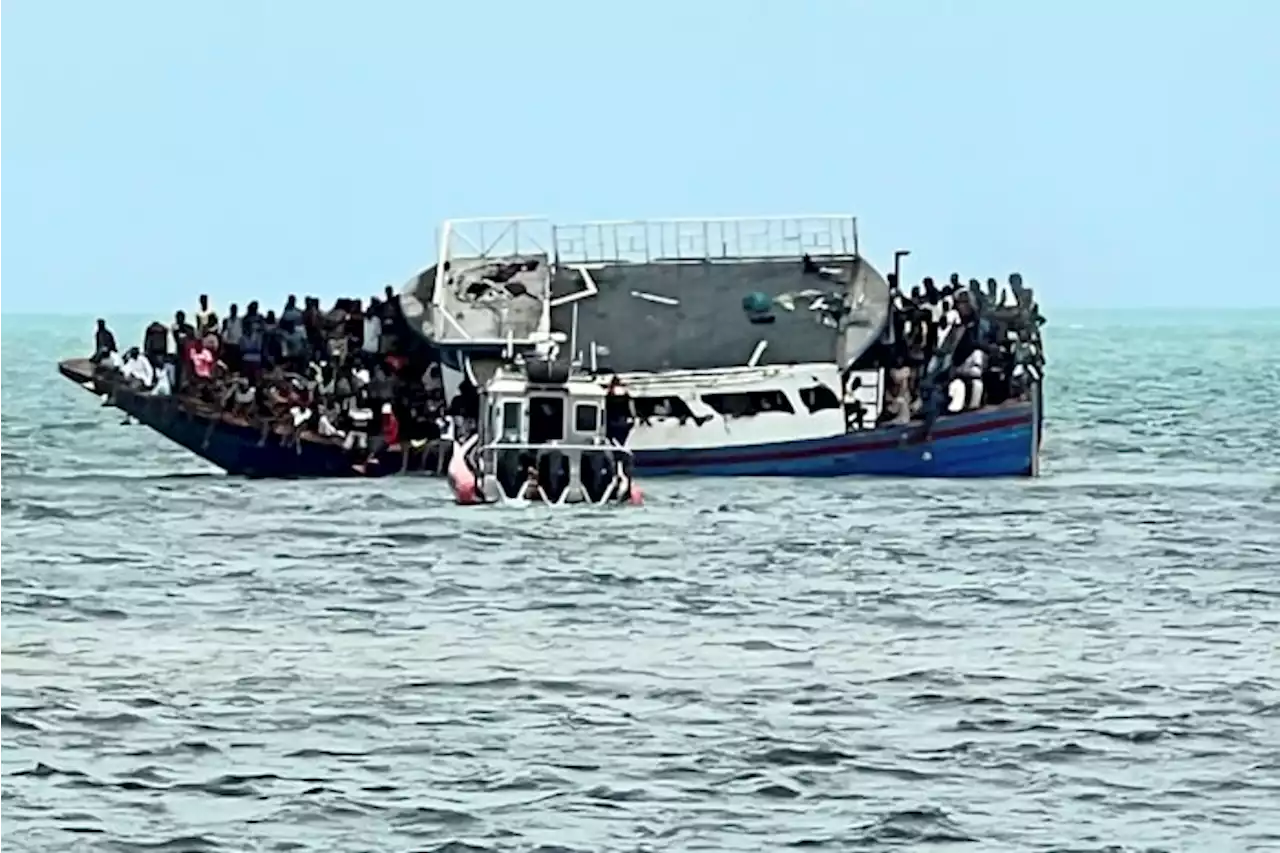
541,428
749,405
516,410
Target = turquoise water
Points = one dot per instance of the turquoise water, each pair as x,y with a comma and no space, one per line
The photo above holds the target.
1082,662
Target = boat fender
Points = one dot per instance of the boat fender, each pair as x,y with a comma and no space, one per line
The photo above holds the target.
467,492
462,479
635,497
545,372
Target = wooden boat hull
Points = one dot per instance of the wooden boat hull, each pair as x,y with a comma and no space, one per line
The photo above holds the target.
244,450
998,441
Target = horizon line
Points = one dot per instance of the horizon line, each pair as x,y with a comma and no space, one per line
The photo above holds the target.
1066,308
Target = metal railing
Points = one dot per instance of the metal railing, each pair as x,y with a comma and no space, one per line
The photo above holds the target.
488,238
494,237
561,447
698,240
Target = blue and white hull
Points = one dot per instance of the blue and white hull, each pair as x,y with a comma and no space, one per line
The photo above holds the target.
1000,441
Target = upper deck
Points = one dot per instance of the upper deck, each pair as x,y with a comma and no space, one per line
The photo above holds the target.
636,296
491,282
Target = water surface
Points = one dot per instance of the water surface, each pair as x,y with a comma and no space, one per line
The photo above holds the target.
1085,662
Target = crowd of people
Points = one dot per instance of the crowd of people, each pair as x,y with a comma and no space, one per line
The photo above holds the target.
354,373
956,347
358,375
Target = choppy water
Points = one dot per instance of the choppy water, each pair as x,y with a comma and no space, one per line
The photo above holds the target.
1087,662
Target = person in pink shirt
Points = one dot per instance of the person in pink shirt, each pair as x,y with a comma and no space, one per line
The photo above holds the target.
202,359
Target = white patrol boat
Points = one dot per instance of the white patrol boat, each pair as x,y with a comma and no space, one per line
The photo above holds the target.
541,438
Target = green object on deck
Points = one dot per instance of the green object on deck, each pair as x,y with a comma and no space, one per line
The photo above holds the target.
757,303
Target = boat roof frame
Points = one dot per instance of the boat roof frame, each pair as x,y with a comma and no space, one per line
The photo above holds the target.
662,240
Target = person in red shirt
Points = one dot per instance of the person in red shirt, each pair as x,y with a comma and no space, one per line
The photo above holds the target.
390,426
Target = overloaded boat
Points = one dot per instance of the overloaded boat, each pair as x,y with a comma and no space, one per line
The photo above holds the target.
249,449
757,347
541,438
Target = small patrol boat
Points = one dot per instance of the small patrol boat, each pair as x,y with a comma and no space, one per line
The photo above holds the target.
541,439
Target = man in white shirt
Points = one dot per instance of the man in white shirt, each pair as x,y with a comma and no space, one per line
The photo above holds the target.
138,369
164,382
372,328
970,373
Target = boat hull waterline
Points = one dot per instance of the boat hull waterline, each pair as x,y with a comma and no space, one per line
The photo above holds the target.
1000,441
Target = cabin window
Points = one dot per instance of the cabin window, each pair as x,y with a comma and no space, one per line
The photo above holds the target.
546,420
657,408
819,398
586,418
511,420
748,403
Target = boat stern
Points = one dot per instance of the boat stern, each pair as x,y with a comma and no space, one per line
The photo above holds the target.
555,475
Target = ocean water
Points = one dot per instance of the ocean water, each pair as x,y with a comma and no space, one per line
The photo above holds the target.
1085,662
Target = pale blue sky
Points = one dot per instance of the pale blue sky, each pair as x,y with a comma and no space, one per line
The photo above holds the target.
1118,153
